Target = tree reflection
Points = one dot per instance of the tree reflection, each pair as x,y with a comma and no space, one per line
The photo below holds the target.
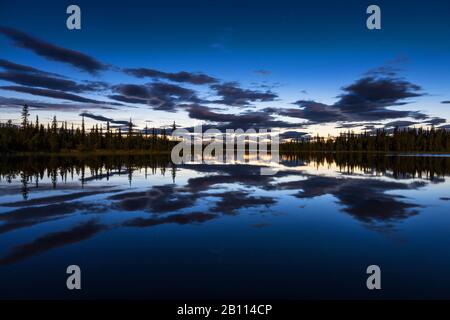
60,169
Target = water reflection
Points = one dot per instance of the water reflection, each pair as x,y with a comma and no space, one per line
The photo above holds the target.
367,200
48,203
53,240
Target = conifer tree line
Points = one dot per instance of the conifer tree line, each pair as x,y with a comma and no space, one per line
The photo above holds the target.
399,140
34,136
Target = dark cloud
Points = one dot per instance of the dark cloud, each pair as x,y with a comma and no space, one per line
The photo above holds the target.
44,81
18,103
52,94
400,124
310,110
231,94
126,99
133,90
183,76
95,85
11,66
293,135
104,119
371,92
435,121
75,58
370,129
405,123
445,126
367,99
204,113
159,95
246,120
165,91
446,101
350,125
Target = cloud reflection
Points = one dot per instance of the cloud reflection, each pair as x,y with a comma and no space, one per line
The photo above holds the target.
208,193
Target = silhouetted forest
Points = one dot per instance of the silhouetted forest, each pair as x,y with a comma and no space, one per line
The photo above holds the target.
55,137
399,140
36,137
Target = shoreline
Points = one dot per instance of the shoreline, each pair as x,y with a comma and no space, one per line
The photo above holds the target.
373,152
78,153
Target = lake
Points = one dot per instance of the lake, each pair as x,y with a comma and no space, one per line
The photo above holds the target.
141,227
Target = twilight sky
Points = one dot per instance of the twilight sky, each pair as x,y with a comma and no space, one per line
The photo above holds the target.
293,65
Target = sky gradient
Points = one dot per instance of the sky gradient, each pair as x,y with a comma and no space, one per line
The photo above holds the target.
293,65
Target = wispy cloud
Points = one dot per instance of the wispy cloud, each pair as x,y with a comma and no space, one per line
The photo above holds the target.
53,94
39,105
11,66
233,95
158,95
246,120
44,81
103,118
182,76
49,51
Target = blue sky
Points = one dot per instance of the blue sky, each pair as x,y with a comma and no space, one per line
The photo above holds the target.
288,64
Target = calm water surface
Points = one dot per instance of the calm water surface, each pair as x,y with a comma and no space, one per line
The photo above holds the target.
140,227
